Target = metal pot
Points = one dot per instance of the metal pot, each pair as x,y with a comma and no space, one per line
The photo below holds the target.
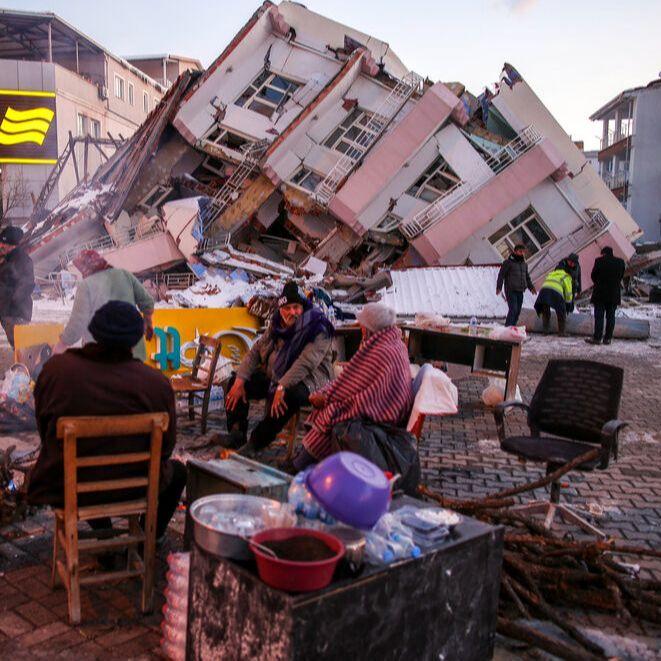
228,545
354,544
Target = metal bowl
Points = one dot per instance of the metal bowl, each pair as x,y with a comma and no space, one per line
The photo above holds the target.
227,538
354,544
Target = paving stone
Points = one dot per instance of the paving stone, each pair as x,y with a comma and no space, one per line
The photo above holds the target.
43,634
13,625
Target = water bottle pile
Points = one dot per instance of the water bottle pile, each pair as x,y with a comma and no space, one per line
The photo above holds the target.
175,609
304,503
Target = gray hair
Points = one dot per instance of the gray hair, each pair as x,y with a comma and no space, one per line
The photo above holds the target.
376,317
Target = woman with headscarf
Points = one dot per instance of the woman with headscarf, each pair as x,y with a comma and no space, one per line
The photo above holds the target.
375,385
292,359
102,283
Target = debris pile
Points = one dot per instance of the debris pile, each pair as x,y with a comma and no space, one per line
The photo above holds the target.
308,147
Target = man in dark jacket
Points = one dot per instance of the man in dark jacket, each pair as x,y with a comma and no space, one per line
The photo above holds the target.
514,275
607,275
16,282
103,378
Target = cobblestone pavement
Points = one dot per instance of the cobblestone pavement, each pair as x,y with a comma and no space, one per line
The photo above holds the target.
460,458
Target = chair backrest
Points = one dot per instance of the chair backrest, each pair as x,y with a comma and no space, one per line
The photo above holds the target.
71,429
208,346
575,398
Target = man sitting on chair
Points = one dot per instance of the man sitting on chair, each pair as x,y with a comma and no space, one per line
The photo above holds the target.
102,379
292,359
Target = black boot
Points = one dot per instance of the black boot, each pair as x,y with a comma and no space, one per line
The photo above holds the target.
561,327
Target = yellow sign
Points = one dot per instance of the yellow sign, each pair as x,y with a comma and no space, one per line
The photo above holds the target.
177,331
27,129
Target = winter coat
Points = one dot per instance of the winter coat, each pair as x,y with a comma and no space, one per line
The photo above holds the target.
514,275
313,367
561,282
16,285
95,381
96,290
607,275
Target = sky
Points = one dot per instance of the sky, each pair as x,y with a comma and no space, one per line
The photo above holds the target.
575,54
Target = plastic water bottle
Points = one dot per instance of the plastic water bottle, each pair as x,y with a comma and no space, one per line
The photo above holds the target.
472,326
377,550
408,548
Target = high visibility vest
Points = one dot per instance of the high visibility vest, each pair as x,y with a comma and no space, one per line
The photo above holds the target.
560,281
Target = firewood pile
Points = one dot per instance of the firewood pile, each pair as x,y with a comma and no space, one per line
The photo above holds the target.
544,572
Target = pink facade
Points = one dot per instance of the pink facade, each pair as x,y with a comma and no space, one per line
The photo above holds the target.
159,251
500,192
391,154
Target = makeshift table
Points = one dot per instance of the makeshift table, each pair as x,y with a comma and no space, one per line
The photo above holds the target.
484,355
440,605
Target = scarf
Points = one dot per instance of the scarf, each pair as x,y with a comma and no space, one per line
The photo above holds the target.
375,385
294,338
89,262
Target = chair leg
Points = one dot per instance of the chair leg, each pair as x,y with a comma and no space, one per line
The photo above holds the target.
134,530
568,514
191,406
73,587
149,556
205,410
54,575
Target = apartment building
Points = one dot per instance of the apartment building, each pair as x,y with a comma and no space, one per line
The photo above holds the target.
78,88
164,68
629,160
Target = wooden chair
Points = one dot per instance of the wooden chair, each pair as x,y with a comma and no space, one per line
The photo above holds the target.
71,429
195,387
577,403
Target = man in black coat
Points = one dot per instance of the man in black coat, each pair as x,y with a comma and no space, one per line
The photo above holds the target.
607,275
16,282
514,275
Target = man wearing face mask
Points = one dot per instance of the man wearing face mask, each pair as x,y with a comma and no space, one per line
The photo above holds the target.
16,282
514,275
292,359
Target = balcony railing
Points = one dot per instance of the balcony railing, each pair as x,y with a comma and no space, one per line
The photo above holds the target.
616,179
453,197
625,131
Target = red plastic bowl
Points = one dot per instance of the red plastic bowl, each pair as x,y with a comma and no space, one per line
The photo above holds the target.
291,575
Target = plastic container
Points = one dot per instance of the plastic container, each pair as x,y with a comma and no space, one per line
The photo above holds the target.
472,326
351,489
291,575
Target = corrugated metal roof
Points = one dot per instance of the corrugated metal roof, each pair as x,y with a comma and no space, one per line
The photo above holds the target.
451,291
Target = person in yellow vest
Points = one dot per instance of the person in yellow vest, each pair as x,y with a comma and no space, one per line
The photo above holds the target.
557,292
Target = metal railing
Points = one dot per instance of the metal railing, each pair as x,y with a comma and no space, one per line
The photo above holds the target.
594,223
106,242
625,131
616,179
453,197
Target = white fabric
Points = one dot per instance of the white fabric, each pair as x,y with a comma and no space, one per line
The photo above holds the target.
437,395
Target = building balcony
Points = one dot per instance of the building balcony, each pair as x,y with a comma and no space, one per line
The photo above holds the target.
616,180
622,144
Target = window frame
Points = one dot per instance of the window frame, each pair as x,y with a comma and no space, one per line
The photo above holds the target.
94,123
122,87
130,88
310,174
145,101
82,124
431,171
266,78
353,119
395,222
504,243
222,132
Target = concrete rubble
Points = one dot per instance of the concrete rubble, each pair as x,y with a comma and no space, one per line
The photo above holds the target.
309,148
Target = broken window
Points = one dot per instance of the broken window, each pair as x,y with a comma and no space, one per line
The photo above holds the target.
215,165
388,223
267,93
353,135
221,136
438,178
527,228
306,178
155,197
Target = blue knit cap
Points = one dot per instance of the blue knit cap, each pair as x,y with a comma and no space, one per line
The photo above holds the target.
117,324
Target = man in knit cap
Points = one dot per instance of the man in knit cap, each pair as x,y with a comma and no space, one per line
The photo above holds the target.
103,378
16,282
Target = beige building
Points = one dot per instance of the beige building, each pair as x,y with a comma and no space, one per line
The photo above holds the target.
57,83
166,68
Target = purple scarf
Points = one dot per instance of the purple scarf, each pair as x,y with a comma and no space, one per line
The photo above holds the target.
310,324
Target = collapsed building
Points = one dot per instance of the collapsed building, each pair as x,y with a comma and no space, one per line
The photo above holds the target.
309,145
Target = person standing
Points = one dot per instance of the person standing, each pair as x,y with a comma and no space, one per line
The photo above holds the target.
102,283
16,282
515,277
606,275
557,292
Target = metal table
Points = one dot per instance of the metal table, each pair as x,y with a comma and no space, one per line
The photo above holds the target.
484,355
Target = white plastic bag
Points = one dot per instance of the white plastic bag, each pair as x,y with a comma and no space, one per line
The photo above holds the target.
437,395
510,333
494,393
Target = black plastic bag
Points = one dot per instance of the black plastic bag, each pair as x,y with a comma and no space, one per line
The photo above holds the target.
389,447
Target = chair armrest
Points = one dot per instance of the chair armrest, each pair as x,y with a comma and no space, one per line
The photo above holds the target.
609,433
499,415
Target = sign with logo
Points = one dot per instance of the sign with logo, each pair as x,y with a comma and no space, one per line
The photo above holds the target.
27,127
